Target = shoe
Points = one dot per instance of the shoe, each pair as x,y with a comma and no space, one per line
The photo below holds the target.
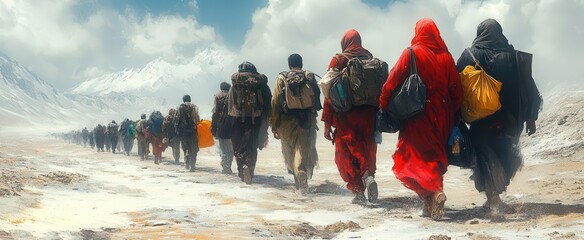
371,187
246,175
437,209
302,180
359,198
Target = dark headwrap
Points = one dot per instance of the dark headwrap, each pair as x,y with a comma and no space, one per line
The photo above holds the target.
427,35
351,45
490,36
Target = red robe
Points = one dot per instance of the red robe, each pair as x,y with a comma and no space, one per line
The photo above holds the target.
420,160
355,147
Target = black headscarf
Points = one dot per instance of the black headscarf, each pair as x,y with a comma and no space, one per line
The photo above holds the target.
490,36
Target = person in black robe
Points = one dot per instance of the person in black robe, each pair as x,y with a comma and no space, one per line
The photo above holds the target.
496,138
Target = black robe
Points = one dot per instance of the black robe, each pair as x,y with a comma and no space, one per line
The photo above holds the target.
496,137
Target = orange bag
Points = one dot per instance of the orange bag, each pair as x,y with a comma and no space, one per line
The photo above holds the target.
204,134
480,93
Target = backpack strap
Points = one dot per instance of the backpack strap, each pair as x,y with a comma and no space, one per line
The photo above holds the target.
413,67
477,64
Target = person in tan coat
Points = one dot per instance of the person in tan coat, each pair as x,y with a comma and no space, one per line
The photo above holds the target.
293,120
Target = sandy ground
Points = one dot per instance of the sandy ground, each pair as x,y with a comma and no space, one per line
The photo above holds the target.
56,190
50,189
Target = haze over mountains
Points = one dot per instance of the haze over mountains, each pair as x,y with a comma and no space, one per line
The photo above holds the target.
26,99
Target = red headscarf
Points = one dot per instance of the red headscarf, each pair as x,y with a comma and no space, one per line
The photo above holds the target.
351,45
428,35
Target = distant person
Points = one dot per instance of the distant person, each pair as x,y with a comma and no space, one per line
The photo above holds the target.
295,103
420,160
185,124
496,138
92,139
107,140
85,135
353,134
221,128
99,132
171,138
128,133
249,104
112,129
156,120
142,130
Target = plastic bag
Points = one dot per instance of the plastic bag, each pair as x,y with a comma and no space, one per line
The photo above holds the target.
480,92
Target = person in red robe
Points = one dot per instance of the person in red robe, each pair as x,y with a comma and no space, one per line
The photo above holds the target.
353,134
420,160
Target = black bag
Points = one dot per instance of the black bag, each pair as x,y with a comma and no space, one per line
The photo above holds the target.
384,123
459,149
184,117
409,99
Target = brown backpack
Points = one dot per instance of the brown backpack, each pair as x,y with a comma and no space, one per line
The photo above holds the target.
297,92
245,97
366,77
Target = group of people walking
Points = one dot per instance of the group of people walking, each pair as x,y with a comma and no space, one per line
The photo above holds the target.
245,110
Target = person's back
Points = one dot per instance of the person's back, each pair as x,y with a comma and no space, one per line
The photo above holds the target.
249,104
221,127
353,135
185,123
113,132
170,136
141,136
495,138
293,119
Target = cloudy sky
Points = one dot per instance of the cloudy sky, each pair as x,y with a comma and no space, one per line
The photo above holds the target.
69,41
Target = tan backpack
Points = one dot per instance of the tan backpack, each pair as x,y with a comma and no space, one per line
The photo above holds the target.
297,92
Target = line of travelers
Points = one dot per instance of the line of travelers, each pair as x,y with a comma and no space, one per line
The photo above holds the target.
470,113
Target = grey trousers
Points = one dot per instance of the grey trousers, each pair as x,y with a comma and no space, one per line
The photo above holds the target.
226,152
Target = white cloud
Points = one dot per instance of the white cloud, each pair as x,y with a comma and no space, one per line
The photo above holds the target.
551,29
169,35
65,48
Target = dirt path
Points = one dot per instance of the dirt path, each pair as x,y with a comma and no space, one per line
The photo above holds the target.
58,190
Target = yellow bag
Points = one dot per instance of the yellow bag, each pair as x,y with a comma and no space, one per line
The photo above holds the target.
204,134
480,93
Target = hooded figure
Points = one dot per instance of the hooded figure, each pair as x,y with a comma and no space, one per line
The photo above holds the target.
420,160
353,135
495,138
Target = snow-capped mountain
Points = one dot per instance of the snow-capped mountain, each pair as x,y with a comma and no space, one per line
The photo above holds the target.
165,81
17,80
24,96
27,100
